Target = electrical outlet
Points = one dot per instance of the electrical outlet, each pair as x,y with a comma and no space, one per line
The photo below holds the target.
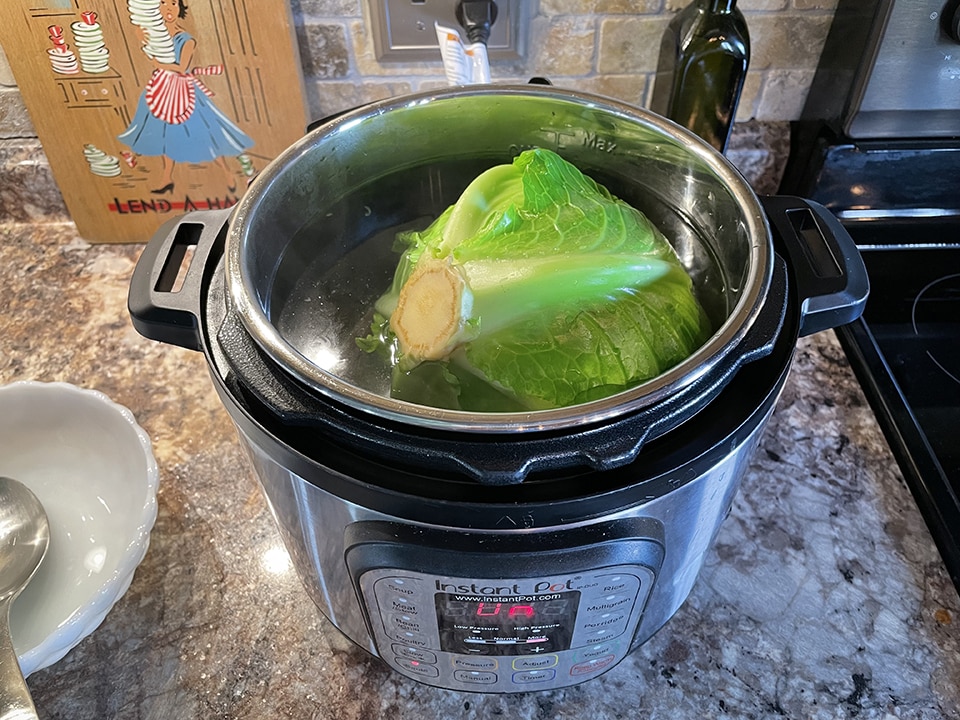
403,30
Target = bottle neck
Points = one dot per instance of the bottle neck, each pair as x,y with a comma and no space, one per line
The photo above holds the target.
717,6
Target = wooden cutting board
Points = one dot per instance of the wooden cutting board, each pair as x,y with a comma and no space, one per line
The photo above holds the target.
145,116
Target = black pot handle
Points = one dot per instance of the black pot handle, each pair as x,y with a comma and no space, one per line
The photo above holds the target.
165,297
831,282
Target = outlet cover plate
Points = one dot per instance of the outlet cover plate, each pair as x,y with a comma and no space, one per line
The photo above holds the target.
403,30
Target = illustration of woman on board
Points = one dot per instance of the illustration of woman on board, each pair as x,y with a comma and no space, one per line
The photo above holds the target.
175,117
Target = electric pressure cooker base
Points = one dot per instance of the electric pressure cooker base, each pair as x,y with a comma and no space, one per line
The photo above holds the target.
516,588
499,610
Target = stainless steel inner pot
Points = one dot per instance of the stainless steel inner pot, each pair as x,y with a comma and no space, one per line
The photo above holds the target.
309,247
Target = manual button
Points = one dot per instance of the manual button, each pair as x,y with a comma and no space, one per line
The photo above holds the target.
471,677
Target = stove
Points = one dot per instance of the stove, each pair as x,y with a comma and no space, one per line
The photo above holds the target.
879,145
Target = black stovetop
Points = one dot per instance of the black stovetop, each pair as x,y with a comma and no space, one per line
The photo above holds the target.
905,351
901,206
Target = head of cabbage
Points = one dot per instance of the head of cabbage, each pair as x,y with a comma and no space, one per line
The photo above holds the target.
537,289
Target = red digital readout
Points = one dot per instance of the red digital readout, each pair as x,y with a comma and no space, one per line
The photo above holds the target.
485,609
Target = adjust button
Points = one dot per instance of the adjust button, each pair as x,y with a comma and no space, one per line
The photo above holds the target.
535,662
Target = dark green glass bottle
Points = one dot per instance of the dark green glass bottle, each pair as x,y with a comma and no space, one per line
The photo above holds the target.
703,62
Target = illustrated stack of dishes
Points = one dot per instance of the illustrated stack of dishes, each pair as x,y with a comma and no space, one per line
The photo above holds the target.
100,163
62,58
146,15
94,56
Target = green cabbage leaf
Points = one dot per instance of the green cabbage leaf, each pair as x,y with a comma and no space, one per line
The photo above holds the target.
537,289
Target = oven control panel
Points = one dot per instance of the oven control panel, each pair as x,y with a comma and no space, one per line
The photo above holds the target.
569,617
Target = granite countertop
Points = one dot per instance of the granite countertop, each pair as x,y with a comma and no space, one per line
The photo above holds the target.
824,596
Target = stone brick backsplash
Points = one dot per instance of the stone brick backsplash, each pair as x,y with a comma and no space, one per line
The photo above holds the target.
601,46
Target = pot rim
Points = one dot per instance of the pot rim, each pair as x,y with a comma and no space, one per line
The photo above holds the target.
243,292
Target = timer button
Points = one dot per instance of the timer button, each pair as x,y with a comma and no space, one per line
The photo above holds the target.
527,677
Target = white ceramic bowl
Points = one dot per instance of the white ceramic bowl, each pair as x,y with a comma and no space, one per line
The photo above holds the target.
93,469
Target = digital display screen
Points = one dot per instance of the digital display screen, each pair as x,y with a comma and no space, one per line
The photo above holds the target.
506,624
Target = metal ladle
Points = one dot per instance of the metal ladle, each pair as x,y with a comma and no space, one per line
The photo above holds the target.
24,537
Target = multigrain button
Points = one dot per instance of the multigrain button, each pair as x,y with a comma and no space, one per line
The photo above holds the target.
471,677
608,603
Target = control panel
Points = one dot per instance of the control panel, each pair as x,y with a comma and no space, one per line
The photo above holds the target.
570,616
505,636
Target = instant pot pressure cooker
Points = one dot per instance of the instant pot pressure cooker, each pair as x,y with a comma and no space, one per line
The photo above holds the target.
493,552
